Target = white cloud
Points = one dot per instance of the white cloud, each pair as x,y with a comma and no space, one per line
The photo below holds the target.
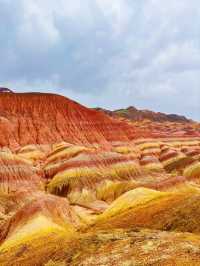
179,56
112,53
118,13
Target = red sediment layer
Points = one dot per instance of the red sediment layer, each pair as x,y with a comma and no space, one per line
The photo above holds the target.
192,152
148,159
31,118
168,155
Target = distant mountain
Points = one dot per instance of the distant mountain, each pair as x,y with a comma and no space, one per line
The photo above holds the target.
135,114
3,89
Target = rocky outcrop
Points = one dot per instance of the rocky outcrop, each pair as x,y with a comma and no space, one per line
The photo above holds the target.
3,89
135,114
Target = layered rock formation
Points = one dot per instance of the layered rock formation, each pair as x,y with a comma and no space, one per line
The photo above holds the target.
34,118
80,188
135,114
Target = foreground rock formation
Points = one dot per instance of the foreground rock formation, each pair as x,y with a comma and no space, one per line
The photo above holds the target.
78,187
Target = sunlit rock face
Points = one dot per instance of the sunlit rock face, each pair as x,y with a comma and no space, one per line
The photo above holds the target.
46,118
78,187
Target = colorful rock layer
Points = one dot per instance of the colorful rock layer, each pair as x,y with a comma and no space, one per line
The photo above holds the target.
80,188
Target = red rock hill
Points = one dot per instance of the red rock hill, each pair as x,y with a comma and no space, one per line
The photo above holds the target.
48,118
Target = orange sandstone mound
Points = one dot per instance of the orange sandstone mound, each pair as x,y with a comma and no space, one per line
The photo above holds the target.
81,187
37,118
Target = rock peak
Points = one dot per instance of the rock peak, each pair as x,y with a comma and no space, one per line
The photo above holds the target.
3,89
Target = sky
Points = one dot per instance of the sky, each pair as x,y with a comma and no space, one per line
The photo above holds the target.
108,53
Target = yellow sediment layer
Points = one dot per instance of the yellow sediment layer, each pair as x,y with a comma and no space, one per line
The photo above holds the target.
83,197
124,149
73,177
192,171
36,227
143,198
174,162
190,143
66,153
60,145
155,151
132,199
110,190
88,176
149,145
40,242
129,168
176,144
14,157
32,155
155,167
154,209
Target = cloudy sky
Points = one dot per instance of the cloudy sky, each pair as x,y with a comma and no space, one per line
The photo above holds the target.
108,53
